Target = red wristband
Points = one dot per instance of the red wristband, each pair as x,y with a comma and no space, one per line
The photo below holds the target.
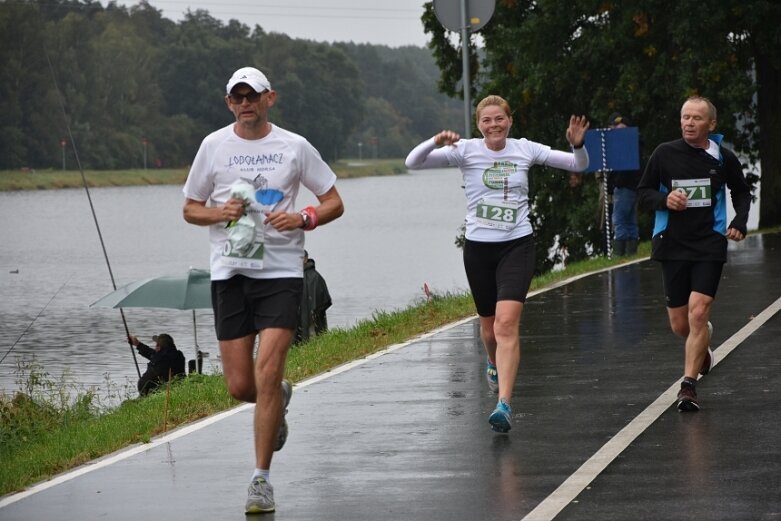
310,212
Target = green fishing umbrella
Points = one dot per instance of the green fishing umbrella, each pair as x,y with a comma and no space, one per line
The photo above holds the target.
190,290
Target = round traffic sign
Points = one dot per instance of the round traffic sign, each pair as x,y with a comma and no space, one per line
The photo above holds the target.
478,13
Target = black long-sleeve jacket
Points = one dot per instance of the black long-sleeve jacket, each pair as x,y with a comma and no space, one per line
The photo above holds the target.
697,233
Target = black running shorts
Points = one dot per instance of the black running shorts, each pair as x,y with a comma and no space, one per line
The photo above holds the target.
498,271
683,277
243,306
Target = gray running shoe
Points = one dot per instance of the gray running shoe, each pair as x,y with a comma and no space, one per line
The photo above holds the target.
287,392
260,497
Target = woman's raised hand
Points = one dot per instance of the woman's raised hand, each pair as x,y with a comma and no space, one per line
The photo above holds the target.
446,137
576,132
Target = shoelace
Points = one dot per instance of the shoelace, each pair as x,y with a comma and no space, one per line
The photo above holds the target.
259,490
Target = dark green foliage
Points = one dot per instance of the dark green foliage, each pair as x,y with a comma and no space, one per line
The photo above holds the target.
321,93
128,74
400,109
574,231
550,59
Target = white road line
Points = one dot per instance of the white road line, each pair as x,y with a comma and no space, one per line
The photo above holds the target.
550,507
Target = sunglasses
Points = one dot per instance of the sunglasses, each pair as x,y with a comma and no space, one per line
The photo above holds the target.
252,96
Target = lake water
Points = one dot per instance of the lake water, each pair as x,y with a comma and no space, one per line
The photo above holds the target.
397,233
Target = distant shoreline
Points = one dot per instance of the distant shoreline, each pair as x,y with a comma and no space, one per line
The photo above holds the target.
28,179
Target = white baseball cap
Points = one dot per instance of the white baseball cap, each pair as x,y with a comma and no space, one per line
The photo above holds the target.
251,76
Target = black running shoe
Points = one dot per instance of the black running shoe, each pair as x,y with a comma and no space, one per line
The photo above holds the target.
687,399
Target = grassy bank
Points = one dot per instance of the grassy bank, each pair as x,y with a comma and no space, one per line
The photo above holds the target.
54,179
41,435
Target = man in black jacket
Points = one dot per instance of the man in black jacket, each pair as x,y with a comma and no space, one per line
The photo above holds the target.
315,300
165,362
685,181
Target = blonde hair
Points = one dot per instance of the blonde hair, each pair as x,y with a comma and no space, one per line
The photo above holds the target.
492,100
702,99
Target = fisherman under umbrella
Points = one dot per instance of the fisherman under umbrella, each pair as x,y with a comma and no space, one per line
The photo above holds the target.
191,290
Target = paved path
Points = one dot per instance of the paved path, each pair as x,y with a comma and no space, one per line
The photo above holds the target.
404,435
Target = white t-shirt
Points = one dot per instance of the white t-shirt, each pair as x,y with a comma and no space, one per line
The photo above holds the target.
496,182
276,166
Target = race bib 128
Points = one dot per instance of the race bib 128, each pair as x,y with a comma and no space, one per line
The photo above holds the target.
497,214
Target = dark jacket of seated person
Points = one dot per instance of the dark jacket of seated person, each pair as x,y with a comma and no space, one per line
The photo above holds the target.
165,361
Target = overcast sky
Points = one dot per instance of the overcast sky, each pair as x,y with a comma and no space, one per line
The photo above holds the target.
385,22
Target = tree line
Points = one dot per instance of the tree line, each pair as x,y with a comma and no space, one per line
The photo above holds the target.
550,59
131,86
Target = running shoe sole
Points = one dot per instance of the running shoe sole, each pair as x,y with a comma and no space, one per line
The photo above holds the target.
688,406
258,510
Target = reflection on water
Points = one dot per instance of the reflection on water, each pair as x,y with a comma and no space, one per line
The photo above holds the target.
396,233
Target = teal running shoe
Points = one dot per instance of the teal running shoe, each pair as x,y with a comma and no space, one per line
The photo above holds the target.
501,418
492,376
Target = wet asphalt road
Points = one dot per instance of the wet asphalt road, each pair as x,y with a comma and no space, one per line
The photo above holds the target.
404,435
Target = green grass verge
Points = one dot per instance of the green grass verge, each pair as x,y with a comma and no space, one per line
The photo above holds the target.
55,179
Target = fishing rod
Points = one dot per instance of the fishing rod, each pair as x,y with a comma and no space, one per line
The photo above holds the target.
61,100
33,321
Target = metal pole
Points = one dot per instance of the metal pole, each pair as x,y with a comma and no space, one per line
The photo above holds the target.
606,172
465,61
195,338
608,216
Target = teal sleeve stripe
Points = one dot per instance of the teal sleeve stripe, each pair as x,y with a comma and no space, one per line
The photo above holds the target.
720,212
662,216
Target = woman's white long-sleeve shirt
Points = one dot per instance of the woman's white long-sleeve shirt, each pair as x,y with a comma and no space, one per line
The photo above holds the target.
496,182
